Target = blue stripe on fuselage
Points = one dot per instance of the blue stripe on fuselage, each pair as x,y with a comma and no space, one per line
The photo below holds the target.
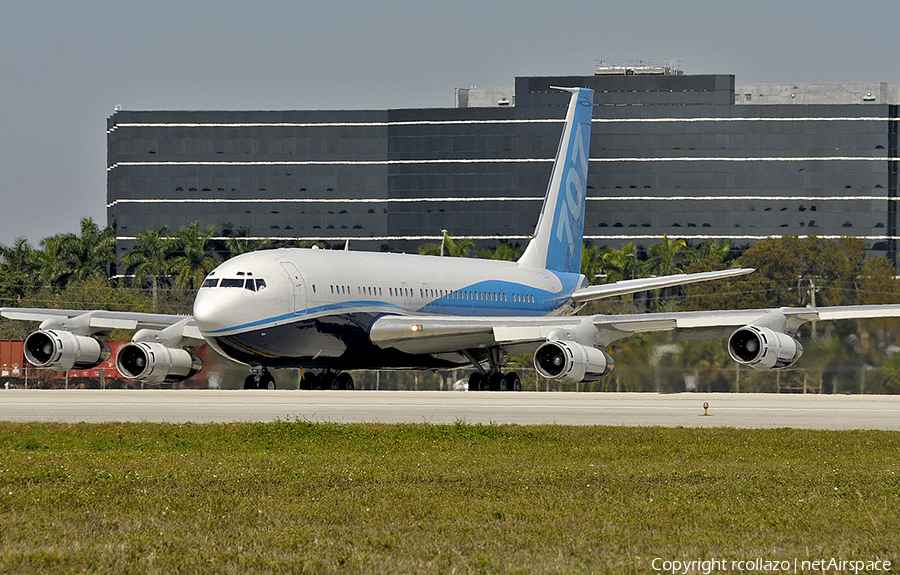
497,297
313,311
491,297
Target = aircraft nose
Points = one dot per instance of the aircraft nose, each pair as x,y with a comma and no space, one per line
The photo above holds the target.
212,311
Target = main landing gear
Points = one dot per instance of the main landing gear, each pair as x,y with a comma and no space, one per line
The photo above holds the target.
495,381
260,378
327,380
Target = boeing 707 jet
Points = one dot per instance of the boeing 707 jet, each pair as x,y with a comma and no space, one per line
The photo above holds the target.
329,312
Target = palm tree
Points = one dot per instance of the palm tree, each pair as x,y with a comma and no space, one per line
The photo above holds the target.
592,263
194,256
503,251
18,270
461,249
80,257
667,257
711,247
237,245
148,260
622,264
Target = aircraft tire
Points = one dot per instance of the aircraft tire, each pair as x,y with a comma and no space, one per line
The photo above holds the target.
475,380
309,381
328,381
344,381
266,381
513,383
497,382
250,382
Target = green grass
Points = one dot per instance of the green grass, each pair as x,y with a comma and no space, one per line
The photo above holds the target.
298,497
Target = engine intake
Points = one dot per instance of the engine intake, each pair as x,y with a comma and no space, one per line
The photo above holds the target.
63,350
762,348
156,363
571,362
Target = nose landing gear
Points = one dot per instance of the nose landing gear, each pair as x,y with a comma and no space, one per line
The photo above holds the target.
259,378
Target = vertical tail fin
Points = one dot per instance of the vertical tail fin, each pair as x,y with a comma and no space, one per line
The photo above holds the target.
559,235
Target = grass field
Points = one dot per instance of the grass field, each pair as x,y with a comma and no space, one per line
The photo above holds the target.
298,497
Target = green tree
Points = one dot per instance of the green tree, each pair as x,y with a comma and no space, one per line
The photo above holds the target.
668,256
591,264
778,263
19,267
459,249
236,245
69,256
877,284
148,260
711,247
193,256
503,251
621,264
718,294
791,271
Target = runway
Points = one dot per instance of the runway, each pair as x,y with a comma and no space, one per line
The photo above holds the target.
528,408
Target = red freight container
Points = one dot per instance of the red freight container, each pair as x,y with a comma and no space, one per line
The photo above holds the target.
16,372
12,361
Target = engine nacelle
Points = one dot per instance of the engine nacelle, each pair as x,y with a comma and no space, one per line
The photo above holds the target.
156,363
63,350
571,362
762,348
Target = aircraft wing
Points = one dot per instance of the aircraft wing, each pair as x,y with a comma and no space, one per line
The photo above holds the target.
632,286
438,334
100,321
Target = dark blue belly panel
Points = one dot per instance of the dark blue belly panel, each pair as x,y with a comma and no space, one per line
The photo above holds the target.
338,342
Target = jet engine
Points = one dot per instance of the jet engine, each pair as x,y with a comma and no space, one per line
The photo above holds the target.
571,362
156,363
63,350
762,348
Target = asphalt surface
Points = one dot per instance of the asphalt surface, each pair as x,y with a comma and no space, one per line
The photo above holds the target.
524,408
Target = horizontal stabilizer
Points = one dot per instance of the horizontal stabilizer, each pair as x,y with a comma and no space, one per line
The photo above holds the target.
632,286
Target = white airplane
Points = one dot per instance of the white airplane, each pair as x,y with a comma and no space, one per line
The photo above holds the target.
332,311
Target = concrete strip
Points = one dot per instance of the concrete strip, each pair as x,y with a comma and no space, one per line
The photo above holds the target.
629,409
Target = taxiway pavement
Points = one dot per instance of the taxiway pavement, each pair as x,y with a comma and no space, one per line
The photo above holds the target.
525,408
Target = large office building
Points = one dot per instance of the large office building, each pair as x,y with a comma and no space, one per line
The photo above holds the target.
688,156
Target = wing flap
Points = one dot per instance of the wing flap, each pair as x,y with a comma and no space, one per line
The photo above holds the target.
520,334
439,334
648,322
846,312
430,334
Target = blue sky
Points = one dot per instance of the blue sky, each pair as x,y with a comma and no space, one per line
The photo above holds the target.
64,66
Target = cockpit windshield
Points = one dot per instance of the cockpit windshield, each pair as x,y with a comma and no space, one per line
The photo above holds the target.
248,283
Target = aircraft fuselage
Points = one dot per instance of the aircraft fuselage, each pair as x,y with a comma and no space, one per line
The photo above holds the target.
313,308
